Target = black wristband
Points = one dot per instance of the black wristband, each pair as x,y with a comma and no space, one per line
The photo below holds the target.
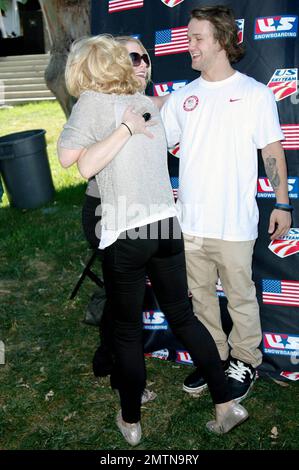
124,124
284,207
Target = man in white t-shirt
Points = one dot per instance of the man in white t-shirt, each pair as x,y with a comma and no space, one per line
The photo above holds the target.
220,120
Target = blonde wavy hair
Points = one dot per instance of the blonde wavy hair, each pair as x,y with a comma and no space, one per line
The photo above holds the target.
100,63
125,39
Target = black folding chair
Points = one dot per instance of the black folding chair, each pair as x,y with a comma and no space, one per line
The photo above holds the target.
87,271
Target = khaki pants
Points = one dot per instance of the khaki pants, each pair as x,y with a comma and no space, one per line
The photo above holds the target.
207,258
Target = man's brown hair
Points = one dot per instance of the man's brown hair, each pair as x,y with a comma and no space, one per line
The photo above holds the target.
225,29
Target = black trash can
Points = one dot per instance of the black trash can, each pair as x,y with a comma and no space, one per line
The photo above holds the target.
25,169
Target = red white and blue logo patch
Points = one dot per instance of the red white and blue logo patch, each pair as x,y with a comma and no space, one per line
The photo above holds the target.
219,289
290,375
183,357
161,354
276,27
240,25
154,320
172,3
164,88
265,190
175,150
287,245
283,83
190,103
280,344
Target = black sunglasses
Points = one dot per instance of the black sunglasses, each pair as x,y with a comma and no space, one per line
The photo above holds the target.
137,58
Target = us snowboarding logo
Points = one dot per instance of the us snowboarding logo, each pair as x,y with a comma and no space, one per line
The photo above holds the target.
280,344
164,88
275,27
265,190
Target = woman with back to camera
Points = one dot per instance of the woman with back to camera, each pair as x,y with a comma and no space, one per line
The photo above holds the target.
109,137
104,358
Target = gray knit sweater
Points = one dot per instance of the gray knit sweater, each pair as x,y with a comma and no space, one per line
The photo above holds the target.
134,187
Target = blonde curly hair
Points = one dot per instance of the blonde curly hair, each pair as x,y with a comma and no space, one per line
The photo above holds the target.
100,63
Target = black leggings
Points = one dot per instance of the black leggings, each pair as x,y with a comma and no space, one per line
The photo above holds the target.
125,264
89,223
90,220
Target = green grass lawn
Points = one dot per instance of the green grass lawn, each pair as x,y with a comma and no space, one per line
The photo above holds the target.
49,398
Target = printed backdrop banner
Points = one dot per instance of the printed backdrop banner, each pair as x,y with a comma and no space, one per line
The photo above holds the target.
269,31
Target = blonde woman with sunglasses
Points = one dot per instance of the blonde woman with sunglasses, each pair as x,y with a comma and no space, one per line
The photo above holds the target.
103,358
110,137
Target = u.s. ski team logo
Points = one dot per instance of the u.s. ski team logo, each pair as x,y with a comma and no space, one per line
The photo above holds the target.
172,3
276,27
162,89
283,83
287,245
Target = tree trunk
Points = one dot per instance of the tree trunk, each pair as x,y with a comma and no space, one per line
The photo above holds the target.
66,20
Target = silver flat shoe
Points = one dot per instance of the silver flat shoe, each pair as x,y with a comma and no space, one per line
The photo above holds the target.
233,417
130,431
147,395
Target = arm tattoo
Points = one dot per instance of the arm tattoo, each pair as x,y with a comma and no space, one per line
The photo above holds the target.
271,171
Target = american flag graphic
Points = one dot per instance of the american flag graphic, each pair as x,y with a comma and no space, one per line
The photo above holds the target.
119,5
281,292
174,180
171,41
291,133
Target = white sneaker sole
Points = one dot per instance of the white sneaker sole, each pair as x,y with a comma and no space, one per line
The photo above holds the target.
195,391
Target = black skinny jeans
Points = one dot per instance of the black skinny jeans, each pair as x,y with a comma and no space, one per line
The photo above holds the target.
125,264
90,220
